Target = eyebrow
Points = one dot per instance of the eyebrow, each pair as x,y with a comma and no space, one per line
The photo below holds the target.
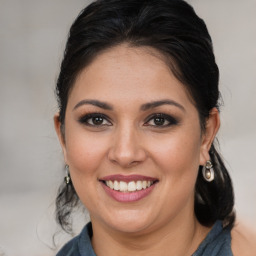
96,103
143,107
158,103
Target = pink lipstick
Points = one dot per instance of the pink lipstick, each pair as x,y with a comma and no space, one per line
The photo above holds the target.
129,188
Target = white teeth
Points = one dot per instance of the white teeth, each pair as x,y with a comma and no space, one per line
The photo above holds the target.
110,184
139,185
130,186
123,186
116,185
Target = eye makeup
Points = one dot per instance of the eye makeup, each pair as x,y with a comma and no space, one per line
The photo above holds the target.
155,120
161,120
95,119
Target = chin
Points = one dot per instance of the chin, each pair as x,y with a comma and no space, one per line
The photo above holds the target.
130,227
130,221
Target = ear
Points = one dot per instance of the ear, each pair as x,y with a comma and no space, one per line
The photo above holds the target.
60,134
211,129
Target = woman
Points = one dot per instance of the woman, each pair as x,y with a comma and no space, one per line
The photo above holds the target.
138,114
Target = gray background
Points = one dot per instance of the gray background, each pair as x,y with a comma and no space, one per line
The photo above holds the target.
32,38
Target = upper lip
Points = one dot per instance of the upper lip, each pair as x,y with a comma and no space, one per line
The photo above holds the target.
127,178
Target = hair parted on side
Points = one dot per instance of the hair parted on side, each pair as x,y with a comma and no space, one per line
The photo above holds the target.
173,28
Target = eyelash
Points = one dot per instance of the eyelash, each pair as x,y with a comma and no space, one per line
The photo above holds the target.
165,118
85,119
170,119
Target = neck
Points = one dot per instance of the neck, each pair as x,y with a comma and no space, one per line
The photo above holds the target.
179,237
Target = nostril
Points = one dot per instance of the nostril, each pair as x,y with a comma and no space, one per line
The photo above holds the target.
127,156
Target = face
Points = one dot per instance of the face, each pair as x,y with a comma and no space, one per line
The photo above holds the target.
133,141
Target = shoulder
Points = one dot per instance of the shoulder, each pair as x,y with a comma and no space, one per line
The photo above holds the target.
243,240
70,248
79,245
216,243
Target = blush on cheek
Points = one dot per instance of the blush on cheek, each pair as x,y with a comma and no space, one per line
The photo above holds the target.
179,160
84,157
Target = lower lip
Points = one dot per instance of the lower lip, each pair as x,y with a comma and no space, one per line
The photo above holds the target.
126,197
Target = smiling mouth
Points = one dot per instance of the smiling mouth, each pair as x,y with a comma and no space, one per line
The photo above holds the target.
130,186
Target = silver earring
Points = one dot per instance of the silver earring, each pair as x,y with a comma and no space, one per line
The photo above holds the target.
208,172
67,178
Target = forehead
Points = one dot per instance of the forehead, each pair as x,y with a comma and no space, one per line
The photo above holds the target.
127,73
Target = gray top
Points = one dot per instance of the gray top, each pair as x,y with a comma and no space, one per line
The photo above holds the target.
216,243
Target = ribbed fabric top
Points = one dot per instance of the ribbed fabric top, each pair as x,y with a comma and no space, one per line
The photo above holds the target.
216,243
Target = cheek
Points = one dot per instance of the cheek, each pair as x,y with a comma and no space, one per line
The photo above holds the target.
85,155
178,155
85,152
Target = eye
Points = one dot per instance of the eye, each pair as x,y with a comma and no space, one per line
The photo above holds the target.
95,119
161,120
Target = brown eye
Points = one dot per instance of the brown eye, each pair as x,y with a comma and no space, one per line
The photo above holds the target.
95,119
161,120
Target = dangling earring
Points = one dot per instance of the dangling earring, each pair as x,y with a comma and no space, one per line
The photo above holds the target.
67,178
208,172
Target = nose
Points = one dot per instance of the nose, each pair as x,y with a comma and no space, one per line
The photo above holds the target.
126,148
